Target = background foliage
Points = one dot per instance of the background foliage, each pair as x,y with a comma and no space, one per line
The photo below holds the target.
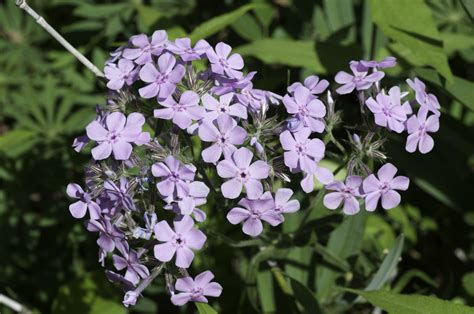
426,246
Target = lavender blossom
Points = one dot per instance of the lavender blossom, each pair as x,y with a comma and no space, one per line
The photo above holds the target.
345,193
118,75
308,110
253,211
387,110
196,290
242,173
179,242
118,135
174,177
109,235
312,83
162,80
425,100
223,106
183,112
84,203
360,80
129,261
225,134
182,47
387,62
120,194
222,63
384,187
283,204
146,48
418,127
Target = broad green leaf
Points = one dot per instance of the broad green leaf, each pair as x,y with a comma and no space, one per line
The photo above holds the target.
344,241
468,7
331,258
218,23
247,27
340,14
14,143
285,52
459,88
265,291
468,283
456,41
148,15
388,265
91,11
414,304
204,308
416,32
380,231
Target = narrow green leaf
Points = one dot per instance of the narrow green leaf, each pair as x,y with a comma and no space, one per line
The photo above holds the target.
265,291
284,51
14,143
218,23
331,258
413,304
409,275
204,308
416,32
148,15
305,297
388,265
247,27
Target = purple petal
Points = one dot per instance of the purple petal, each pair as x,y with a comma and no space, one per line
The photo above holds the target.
387,172
164,252
237,215
101,151
184,257
351,206
252,227
163,231
333,200
390,199
78,209
231,189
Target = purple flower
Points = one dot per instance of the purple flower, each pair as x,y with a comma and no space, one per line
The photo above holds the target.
223,106
306,108
130,262
174,176
197,196
283,205
346,193
120,194
301,152
196,290
130,298
387,110
118,135
242,173
360,80
84,203
225,85
117,278
109,235
180,241
425,100
321,174
146,49
418,127
222,63
182,47
225,134
182,113
120,74
251,98
384,187
162,80
80,142
252,212
387,62
312,83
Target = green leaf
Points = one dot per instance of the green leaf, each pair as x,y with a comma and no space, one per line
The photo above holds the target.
340,14
416,32
409,275
305,297
94,11
414,304
388,265
468,283
265,291
456,41
16,142
284,51
247,27
218,23
204,308
148,15
344,241
459,88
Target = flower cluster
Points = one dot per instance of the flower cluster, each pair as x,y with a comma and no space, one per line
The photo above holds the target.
171,136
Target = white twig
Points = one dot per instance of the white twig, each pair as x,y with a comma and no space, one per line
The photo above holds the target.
14,305
41,21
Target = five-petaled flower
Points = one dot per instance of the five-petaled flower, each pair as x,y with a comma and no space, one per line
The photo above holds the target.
242,173
217,108
345,193
118,135
384,187
222,63
145,48
118,75
129,261
313,83
174,176
224,134
196,290
162,80
388,111
283,204
109,234
182,47
425,100
179,241
84,203
418,127
306,108
359,80
183,112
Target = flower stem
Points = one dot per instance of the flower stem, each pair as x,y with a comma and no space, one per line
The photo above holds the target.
42,22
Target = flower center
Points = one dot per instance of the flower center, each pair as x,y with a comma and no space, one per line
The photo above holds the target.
243,175
385,187
174,176
301,149
179,240
223,62
113,137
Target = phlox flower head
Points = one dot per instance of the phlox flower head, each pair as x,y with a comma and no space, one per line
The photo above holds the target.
346,193
146,48
360,79
418,127
307,109
196,290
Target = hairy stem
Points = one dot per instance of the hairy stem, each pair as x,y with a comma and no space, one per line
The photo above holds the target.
42,22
